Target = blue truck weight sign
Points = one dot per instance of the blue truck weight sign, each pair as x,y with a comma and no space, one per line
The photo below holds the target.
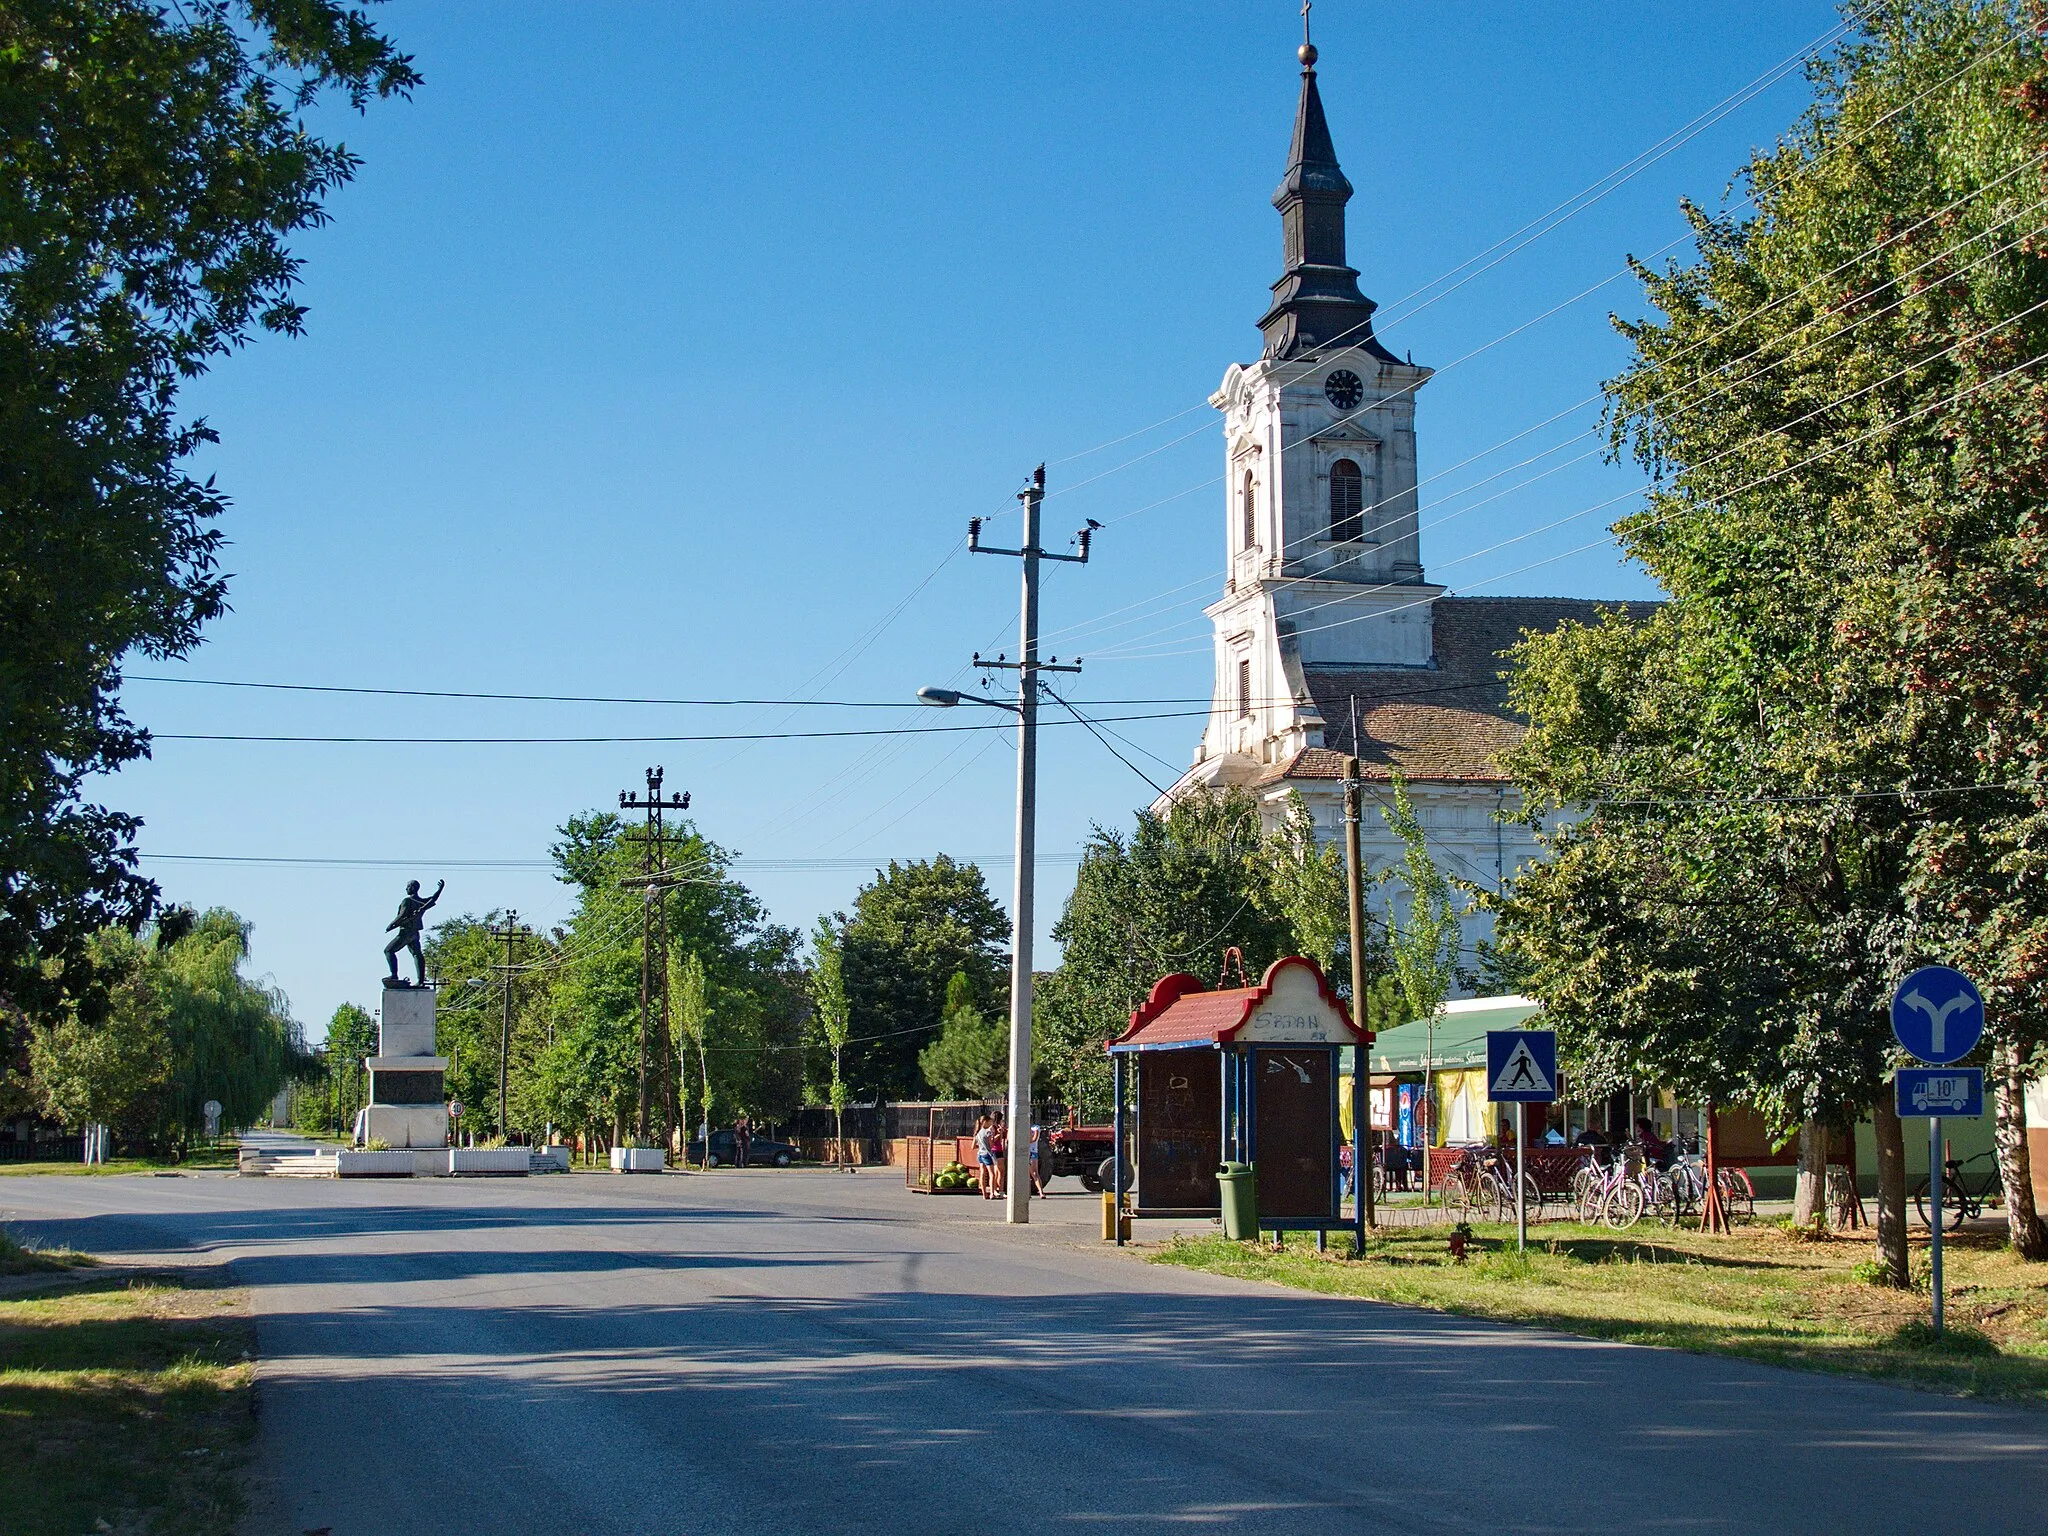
1941,1093
1521,1066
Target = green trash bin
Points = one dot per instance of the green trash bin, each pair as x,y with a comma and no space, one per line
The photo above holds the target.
1237,1184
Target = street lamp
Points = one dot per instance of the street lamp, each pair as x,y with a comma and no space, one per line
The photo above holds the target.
1017,1177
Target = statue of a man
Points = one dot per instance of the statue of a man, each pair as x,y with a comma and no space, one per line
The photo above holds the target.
412,915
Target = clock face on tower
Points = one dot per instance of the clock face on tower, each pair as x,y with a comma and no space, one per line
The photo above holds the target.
1344,390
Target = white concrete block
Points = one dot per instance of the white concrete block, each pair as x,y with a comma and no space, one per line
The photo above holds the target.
639,1159
355,1164
502,1162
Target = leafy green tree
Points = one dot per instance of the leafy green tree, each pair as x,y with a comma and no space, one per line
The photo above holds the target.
913,928
1838,404
1306,885
833,1018
116,1070
971,1057
156,168
1423,934
180,1024
1182,889
690,1008
232,1038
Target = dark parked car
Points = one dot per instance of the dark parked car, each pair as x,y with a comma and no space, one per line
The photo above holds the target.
762,1151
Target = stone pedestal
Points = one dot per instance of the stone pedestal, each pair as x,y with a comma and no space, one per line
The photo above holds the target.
408,1082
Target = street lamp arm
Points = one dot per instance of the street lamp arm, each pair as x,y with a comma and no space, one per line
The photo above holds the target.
946,698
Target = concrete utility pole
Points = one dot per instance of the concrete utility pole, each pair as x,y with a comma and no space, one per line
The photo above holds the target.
1354,883
1017,1126
510,931
654,880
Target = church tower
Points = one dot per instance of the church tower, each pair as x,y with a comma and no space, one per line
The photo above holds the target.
1323,560
1329,641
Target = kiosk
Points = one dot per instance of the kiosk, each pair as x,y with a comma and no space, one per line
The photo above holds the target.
1240,1074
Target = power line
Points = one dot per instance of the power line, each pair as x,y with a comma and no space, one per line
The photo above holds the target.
514,741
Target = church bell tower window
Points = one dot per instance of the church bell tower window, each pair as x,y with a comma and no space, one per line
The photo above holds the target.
1244,688
1347,502
1250,501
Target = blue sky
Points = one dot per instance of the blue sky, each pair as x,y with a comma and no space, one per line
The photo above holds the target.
664,351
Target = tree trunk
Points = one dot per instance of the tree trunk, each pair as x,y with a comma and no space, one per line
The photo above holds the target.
1890,1136
2015,1166
1809,1196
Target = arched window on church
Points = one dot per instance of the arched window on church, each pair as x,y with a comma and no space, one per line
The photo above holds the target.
1347,502
1249,498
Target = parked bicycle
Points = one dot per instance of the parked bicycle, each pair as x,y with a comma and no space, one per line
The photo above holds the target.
1689,1188
1964,1194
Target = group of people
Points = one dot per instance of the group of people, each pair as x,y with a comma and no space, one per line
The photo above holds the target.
991,1161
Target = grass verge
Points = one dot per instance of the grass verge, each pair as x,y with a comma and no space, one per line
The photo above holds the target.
17,1260
220,1156
125,1406
1763,1294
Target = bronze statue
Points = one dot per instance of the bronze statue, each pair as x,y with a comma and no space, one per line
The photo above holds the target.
412,914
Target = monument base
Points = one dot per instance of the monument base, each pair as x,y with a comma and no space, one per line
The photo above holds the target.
407,1125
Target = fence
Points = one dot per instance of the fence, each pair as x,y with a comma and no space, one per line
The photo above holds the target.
55,1149
880,1127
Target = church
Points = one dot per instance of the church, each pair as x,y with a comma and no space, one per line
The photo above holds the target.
1330,638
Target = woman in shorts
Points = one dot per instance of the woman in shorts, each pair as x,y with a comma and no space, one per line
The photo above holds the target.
985,1158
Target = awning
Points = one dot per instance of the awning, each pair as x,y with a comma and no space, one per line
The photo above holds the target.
1458,1041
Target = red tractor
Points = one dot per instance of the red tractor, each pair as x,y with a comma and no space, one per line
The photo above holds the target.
1080,1150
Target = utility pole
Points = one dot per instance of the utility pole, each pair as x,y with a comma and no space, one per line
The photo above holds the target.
510,932
1017,1182
654,880
1354,882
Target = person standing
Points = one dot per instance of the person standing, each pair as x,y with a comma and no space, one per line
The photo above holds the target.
984,1159
1037,1177
742,1136
998,1146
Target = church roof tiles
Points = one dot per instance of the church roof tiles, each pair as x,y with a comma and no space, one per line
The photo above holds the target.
1446,722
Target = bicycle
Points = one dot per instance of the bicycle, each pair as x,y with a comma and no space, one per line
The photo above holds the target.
1962,1197
1613,1193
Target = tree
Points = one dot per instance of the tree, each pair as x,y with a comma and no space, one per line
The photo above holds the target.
177,1024
351,1037
971,1057
1424,939
690,1008
232,1039
156,170
829,1011
1840,405
115,1071
1182,889
1307,887
913,927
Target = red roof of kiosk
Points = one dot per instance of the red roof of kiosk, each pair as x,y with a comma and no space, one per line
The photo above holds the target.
1180,1011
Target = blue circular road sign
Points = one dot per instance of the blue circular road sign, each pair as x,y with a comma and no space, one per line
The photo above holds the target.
1938,1014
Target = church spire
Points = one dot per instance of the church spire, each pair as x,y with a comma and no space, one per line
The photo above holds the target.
1316,303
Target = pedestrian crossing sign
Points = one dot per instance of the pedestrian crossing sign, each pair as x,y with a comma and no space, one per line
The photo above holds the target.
1521,1066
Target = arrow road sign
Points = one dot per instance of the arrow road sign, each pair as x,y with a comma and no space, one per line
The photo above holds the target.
1938,1014
1941,1093
1521,1066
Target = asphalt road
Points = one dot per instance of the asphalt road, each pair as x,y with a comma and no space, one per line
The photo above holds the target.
770,1352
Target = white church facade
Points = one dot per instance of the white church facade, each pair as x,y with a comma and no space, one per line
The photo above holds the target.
1329,638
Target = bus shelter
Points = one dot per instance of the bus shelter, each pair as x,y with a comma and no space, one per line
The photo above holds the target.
1239,1074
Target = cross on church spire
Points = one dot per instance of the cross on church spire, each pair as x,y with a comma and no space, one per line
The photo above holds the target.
1316,303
